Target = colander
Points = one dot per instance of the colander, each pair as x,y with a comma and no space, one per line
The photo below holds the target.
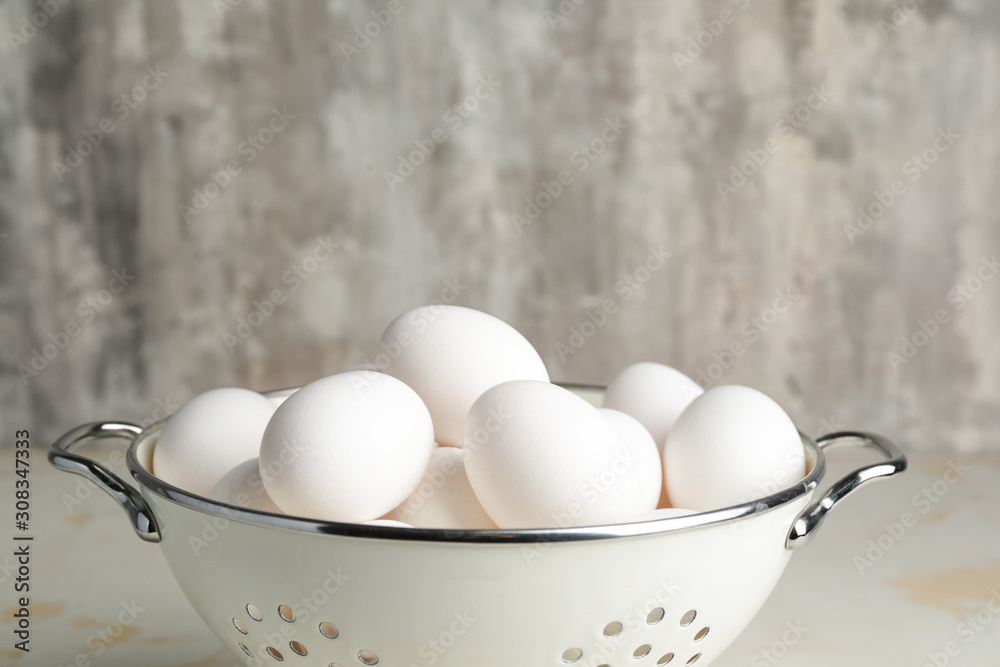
277,588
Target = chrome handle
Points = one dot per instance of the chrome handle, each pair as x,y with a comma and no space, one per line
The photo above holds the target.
61,456
809,520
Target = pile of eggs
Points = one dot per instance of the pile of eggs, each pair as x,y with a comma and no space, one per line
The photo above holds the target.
461,428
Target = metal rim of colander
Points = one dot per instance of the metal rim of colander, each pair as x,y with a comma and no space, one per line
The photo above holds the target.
814,456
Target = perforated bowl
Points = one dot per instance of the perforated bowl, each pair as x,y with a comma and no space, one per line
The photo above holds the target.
277,588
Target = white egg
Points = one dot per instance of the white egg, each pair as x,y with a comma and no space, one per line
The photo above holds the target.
450,355
730,446
243,486
646,468
444,497
652,393
348,447
539,456
387,522
209,436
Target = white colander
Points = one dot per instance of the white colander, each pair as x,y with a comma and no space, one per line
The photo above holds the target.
276,588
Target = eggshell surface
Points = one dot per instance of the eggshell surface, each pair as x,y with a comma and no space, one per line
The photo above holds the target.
349,447
539,456
450,355
243,486
444,498
654,394
210,435
731,445
645,467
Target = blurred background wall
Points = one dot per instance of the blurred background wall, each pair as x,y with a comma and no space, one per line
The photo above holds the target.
800,196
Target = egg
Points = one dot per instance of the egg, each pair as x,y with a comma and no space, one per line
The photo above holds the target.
646,468
243,486
386,522
444,497
349,447
450,355
730,446
652,393
210,435
539,456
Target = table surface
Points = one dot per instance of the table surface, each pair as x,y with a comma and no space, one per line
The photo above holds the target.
862,593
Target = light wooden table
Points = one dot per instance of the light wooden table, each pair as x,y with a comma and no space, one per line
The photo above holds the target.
860,594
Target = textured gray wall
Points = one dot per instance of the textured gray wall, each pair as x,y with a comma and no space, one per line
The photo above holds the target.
835,100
